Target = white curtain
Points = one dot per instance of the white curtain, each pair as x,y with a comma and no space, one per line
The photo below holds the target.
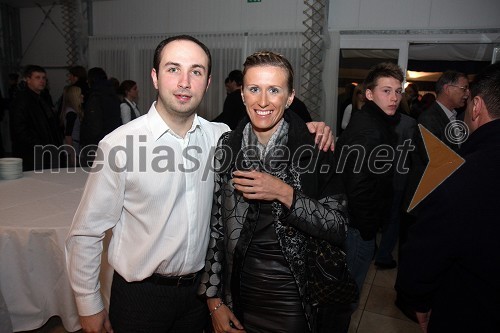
131,57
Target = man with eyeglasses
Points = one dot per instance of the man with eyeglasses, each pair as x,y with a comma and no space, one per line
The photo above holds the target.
452,90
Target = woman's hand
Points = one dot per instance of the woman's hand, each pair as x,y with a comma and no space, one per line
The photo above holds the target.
223,320
324,137
257,185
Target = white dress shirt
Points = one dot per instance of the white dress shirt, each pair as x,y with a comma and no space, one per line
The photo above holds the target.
451,114
154,190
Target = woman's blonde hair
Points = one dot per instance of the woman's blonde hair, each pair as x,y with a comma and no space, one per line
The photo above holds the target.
72,99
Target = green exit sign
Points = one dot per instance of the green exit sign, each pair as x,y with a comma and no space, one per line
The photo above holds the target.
249,1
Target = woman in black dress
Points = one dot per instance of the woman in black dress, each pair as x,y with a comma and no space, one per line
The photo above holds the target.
274,190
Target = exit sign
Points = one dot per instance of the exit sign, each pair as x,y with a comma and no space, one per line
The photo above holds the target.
253,1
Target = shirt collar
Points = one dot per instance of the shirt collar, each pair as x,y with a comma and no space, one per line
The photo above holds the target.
449,113
159,127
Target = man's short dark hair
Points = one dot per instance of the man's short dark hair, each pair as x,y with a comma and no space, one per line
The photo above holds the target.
486,84
448,77
96,74
30,69
163,43
79,71
236,76
384,69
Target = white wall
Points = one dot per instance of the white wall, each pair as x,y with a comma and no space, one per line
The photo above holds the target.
43,45
413,14
124,17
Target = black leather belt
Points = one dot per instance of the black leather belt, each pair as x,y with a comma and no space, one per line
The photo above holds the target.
178,281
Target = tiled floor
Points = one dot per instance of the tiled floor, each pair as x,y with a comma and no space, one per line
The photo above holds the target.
377,312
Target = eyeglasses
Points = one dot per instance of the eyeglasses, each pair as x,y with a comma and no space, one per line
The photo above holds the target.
464,89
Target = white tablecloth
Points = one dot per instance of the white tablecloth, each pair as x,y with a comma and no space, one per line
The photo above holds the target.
36,212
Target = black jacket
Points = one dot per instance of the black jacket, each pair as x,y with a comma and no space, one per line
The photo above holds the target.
233,111
451,261
367,183
101,114
32,123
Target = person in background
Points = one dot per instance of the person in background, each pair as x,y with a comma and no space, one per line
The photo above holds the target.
427,100
300,109
115,84
413,99
233,81
13,87
369,185
452,90
234,109
406,130
128,108
33,123
227,84
101,113
77,76
71,118
358,100
449,272
158,210
264,211
343,100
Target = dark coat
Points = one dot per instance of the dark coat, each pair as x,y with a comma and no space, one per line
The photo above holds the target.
101,114
32,123
368,185
435,120
451,262
233,111
317,210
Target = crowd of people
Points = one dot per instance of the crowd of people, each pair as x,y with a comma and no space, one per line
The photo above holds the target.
50,135
206,241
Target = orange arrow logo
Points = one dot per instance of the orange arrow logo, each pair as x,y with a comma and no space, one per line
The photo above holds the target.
443,162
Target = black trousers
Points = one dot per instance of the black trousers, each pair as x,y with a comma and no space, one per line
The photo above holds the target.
146,306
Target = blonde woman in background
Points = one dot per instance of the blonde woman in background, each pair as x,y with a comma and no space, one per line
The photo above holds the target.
71,118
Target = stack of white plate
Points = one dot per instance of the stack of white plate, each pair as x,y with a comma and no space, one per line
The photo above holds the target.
11,168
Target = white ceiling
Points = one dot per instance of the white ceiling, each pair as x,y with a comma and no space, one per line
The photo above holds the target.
33,3
27,3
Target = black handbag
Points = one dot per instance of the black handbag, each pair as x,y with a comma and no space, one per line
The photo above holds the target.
329,281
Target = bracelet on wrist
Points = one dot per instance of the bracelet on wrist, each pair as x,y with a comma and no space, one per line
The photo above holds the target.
216,307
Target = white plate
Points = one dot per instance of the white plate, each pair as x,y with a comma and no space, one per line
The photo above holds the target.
11,160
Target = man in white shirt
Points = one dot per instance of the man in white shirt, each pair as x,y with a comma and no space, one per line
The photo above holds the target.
152,184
